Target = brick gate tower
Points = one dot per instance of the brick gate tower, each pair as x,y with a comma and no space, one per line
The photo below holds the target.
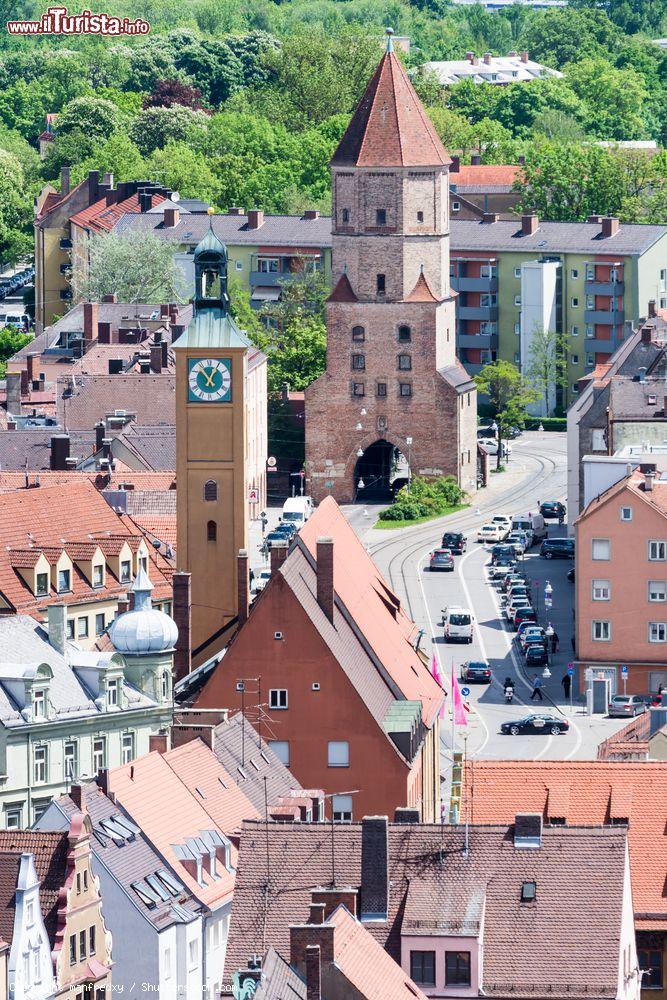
394,393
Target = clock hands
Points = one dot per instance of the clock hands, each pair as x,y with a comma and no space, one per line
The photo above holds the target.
209,378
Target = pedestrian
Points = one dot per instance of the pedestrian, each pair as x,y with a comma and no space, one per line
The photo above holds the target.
537,688
567,684
554,642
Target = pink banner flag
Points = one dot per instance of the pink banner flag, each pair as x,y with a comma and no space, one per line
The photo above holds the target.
436,676
460,718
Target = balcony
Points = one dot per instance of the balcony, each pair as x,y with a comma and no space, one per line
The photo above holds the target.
605,317
268,278
600,345
488,314
473,368
483,341
475,284
605,288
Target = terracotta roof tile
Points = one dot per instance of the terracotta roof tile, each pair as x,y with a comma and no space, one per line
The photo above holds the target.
343,292
101,218
599,791
421,292
484,175
50,853
389,127
9,872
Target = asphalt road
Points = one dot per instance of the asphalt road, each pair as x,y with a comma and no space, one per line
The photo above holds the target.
537,472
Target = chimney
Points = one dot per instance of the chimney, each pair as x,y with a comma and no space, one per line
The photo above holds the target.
182,615
110,297
156,358
647,333
476,160
490,217
649,478
145,201
13,382
374,873
311,213
111,197
255,218
325,576
122,605
524,57
144,366
32,362
406,814
278,556
172,217
104,333
108,178
100,432
76,795
242,591
158,742
333,897
64,180
90,313
102,779
59,451
529,225
164,350
25,382
303,935
651,309
512,54
57,625
594,220
235,211
177,330
93,186
316,915
11,425
455,165
470,56
313,972
106,447
610,226
487,58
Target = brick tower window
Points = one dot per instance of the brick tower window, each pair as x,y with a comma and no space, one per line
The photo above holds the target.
381,217
358,362
420,216
211,531
405,388
358,334
381,389
380,284
404,334
404,362
346,216
358,389
210,490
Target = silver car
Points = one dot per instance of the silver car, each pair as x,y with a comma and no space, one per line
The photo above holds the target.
626,706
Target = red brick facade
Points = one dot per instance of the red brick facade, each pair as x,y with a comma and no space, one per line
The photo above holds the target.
390,323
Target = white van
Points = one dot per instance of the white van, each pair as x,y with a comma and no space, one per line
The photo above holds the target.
14,318
297,510
458,624
533,524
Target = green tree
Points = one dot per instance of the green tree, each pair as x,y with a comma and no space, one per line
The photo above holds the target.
546,365
155,128
613,99
138,267
92,116
569,182
180,168
564,35
117,154
15,209
11,341
509,395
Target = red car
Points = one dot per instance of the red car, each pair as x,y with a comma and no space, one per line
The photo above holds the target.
523,615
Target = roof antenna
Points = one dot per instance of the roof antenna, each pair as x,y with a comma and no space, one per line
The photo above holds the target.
390,45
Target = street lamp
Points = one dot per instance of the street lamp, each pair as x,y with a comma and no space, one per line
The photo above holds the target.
408,441
549,632
495,430
360,452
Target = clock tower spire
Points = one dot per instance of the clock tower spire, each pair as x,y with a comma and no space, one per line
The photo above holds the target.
211,449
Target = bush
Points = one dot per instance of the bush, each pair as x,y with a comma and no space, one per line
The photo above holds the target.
426,498
548,423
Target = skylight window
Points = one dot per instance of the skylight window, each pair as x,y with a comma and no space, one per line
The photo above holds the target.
146,894
172,884
157,887
528,892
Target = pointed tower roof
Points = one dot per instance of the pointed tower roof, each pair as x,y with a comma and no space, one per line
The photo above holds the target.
390,127
421,292
343,292
210,242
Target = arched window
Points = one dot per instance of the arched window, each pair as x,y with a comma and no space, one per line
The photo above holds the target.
404,334
358,333
211,531
165,685
211,490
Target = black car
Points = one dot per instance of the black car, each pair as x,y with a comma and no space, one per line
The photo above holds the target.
542,723
455,541
476,671
557,548
273,537
552,509
286,528
502,551
536,654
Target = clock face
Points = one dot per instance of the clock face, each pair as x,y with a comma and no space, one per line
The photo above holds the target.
209,380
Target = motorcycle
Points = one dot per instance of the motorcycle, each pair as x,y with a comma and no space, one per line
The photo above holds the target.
509,695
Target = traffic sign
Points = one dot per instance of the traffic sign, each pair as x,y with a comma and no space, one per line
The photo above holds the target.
570,670
253,495
624,670
271,462
465,691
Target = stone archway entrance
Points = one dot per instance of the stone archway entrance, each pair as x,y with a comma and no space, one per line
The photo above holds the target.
380,472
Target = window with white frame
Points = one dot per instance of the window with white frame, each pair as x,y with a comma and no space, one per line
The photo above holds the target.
517,272
42,588
626,513
657,631
30,912
26,969
268,265
127,748
39,704
165,685
82,627
575,273
278,698
601,549
281,750
99,754
517,300
574,358
142,563
338,753
601,631
456,206
40,763
112,693
125,571
100,623
517,328
341,806
166,965
657,551
574,331
64,580
601,590
98,575
70,628
657,591
13,817
193,954
70,755
574,302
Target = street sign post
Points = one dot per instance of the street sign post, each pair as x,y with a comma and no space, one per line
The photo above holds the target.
465,691
624,677
570,674
253,495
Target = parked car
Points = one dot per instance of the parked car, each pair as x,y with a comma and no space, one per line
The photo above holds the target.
557,548
273,537
476,671
518,604
543,723
530,633
501,568
286,528
519,541
455,541
505,521
490,445
536,655
490,533
501,550
622,705
458,624
511,579
552,509
441,559
524,615
261,580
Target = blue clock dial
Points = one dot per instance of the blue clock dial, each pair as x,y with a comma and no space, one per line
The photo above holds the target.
210,380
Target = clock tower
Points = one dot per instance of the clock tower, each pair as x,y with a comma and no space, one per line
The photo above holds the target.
211,449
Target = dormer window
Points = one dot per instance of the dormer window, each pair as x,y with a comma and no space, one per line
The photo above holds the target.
112,693
98,575
125,571
457,968
64,581
142,563
42,585
39,704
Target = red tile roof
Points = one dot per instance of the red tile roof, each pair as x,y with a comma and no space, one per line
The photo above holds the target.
389,127
493,175
597,793
50,853
343,292
101,218
421,292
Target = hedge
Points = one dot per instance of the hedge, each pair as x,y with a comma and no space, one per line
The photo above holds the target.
426,498
548,423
